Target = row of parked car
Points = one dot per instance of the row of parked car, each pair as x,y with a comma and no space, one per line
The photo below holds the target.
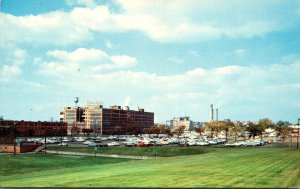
247,143
144,141
151,141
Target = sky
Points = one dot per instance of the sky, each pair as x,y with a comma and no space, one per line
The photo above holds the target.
173,58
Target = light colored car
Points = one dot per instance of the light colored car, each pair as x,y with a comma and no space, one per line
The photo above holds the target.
191,143
232,144
202,143
113,144
252,143
92,144
212,142
87,142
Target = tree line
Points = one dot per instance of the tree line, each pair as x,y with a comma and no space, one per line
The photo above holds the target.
236,129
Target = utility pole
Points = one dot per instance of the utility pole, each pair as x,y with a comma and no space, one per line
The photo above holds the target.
45,142
298,134
14,132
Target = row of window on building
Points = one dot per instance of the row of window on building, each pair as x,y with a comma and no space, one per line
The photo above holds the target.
107,120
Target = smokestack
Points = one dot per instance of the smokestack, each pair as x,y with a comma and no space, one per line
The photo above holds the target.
217,115
212,113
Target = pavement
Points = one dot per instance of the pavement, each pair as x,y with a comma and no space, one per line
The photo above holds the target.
99,155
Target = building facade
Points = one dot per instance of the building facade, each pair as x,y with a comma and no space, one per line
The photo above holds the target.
10,129
113,120
181,121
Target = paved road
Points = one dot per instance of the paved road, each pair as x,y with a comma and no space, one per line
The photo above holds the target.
99,155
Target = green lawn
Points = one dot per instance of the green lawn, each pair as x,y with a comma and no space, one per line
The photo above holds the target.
231,167
139,151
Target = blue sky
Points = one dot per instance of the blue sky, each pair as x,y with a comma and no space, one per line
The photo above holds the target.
174,58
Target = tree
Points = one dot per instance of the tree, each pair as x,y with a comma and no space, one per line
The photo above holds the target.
87,131
283,130
253,129
236,129
154,130
286,131
164,130
133,130
75,130
263,124
280,125
199,130
180,130
225,126
212,126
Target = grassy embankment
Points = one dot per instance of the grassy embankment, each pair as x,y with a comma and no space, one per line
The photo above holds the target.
236,167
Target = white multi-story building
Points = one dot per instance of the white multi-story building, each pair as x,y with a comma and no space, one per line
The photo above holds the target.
181,121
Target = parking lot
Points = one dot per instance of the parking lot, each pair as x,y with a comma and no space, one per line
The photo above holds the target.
143,141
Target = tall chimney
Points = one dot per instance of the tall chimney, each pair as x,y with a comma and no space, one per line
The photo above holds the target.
217,115
211,112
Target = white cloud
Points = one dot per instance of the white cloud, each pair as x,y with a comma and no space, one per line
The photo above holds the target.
123,61
52,28
179,21
163,21
234,89
8,71
82,61
12,62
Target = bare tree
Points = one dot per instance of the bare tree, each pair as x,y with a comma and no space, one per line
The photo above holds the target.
180,130
154,130
199,130
165,130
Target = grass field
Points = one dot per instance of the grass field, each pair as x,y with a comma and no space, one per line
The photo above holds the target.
138,151
234,167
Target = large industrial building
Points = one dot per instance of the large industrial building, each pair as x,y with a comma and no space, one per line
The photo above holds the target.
113,120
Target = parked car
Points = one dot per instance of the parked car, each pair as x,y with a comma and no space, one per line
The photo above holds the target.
129,143
92,144
232,144
191,143
252,143
212,142
87,142
113,144
202,143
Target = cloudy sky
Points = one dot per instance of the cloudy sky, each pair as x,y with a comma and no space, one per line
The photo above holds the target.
174,58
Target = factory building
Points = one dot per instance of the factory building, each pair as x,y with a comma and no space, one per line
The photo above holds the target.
113,120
